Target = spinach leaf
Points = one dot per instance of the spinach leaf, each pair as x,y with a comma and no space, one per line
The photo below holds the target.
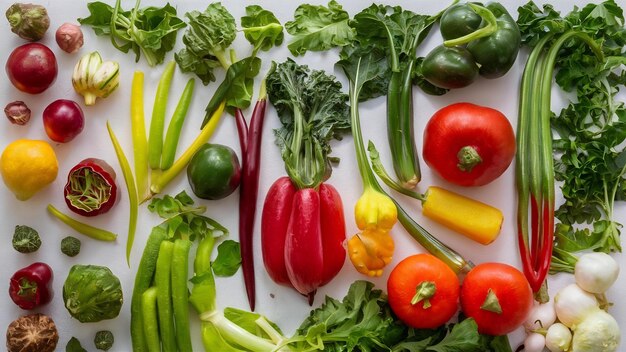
261,28
319,28
228,259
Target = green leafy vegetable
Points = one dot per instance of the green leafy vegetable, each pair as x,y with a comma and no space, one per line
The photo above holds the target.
70,246
183,219
312,110
150,30
104,340
228,258
261,28
207,39
319,28
73,345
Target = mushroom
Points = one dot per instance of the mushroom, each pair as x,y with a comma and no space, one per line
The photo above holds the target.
32,333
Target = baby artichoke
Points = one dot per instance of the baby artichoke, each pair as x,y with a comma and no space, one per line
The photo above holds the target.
93,78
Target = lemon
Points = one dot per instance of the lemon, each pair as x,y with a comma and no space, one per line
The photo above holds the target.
27,166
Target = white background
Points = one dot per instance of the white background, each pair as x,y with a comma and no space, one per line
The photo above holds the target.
282,305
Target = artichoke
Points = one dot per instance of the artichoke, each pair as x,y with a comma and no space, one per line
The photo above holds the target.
29,21
92,293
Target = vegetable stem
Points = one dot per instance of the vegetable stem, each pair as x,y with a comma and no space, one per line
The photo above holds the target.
162,282
176,123
140,142
87,230
130,188
150,326
143,280
180,295
157,122
168,175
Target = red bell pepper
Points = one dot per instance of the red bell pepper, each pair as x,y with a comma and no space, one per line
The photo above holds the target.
302,235
31,287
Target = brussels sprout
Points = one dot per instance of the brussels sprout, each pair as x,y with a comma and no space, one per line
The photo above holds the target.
29,21
26,239
70,246
104,340
92,293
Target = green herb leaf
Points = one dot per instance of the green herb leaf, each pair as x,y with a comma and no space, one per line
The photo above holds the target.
261,28
73,345
183,220
228,258
237,88
319,28
464,337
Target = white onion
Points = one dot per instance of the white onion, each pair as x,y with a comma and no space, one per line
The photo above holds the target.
597,332
558,338
534,342
572,304
541,316
596,272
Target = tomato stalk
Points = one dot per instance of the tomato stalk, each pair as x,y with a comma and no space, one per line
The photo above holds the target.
535,169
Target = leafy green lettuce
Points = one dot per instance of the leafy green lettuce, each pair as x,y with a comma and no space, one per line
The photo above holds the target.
150,30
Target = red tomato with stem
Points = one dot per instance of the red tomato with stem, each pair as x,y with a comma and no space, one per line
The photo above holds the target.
497,296
468,145
423,291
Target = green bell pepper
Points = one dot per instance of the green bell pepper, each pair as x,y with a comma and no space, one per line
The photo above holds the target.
449,68
496,53
494,43
457,21
482,39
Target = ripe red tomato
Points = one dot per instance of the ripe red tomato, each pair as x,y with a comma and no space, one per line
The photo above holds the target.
468,145
497,296
423,276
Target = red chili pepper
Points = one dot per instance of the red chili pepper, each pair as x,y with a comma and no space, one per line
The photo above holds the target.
31,286
302,235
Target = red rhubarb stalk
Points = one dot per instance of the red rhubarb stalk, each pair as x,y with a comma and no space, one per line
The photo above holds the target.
250,142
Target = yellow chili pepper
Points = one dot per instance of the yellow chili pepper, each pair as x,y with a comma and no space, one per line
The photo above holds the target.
471,218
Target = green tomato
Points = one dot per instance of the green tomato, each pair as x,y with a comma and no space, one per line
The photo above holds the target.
214,172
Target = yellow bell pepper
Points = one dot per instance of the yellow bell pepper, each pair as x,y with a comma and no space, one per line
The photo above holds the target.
471,218
375,210
372,249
